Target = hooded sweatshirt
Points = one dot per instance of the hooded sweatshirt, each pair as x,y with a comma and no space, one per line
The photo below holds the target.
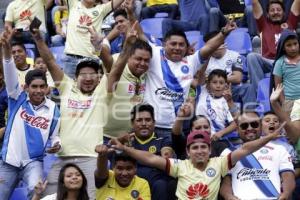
289,72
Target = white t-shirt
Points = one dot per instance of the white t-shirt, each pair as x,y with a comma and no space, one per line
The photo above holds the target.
50,197
231,61
215,109
270,161
158,94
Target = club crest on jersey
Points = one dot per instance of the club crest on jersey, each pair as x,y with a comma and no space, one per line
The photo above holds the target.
185,69
211,172
152,149
264,151
212,113
135,194
35,121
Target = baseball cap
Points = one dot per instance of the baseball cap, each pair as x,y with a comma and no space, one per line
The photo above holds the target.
88,62
198,135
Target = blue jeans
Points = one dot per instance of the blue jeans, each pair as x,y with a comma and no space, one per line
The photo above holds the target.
245,93
258,66
70,64
10,177
201,25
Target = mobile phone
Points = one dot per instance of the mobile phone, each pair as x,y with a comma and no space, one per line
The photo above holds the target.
35,24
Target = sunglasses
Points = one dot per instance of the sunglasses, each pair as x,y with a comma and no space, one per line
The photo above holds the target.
254,124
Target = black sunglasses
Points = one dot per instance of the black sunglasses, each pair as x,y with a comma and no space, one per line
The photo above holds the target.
254,124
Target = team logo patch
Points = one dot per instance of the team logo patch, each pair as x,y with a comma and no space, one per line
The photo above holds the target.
135,194
211,172
95,13
185,69
264,151
152,149
212,113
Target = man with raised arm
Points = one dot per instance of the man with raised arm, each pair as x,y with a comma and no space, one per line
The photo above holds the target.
33,120
199,176
83,114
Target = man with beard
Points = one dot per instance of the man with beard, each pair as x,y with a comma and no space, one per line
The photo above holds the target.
270,28
267,173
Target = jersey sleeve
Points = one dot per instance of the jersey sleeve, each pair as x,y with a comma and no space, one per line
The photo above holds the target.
278,68
11,78
225,164
286,163
9,15
225,153
106,8
65,84
173,167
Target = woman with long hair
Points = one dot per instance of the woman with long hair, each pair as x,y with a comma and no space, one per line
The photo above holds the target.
72,185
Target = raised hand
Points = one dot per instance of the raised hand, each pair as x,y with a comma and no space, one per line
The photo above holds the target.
5,39
230,26
40,187
95,38
127,5
131,35
55,148
103,149
187,108
276,92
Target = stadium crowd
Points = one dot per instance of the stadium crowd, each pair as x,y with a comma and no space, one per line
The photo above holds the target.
150,99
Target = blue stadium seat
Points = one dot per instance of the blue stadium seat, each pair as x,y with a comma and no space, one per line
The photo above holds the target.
58,53
195,36
153,26
239,41
19,194
263,95
245,69
161,15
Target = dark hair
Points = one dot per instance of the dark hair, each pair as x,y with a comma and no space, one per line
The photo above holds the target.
141,108
269,113
88,62
140,44
210,35
218,73
62,191
35,74
123,157
196,117
177,33
275,2
121,12
18,44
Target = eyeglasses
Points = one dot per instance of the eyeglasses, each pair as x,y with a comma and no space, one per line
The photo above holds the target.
254,124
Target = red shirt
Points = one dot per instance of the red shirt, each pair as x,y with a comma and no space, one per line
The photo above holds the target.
270,33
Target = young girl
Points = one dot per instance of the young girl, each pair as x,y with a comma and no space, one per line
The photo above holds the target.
72,185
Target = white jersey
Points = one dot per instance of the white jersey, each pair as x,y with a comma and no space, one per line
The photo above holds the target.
215,109
28,127
258,175
164,91
231,61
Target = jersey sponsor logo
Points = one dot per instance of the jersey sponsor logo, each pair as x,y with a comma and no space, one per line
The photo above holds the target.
152,149
197,190
84,22
211,172
35,121
185,69
253,174
266,157
25,14
135,194
79,104
131,88
168,95
95,13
